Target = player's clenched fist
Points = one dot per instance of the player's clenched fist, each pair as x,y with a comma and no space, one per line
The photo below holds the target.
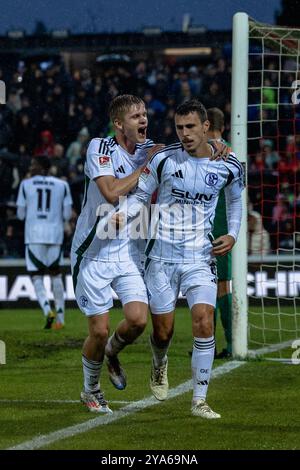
118,220
222,245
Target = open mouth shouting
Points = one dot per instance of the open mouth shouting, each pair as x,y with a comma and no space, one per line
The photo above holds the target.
142,132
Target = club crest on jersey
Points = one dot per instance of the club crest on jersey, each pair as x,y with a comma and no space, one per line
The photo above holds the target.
83,301
104,161
211,179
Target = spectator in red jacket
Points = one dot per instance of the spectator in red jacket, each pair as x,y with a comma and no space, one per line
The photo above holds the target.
46,146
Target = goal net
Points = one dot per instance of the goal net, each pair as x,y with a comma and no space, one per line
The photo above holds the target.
273,205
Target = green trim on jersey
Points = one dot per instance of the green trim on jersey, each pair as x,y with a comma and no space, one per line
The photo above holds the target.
76,271
160,169
80,251
149,246
86,187
84,246
147,262
37,263
159,172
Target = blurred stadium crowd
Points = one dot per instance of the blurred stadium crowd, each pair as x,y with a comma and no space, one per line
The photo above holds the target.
53,112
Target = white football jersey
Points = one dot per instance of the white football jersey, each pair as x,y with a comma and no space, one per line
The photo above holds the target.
44,199
106,157
188,191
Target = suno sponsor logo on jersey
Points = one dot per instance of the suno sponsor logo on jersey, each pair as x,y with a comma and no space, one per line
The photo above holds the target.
104,161
188,198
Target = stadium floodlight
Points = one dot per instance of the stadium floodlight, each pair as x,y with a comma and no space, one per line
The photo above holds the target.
197,30
186,21
16,33
187,51
105,58
60,33
152,31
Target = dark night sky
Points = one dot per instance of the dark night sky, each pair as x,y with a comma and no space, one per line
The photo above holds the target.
128,15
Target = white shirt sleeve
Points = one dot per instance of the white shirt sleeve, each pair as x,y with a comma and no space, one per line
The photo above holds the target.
21,202
21,212
135,203
234,211
67,203
98,159
233,197
68,198
21,199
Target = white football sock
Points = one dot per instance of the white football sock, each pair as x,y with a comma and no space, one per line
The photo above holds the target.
202,361
58,293
40,291
91,374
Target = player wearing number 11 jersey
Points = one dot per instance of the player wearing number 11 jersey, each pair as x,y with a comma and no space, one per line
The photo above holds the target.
45,202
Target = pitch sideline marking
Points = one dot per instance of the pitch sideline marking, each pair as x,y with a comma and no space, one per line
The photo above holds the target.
132,408
121,402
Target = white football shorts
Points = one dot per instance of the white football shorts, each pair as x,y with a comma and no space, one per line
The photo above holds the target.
164,281
39,257
94,280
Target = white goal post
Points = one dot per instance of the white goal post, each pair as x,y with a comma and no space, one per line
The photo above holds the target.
239,93
265,132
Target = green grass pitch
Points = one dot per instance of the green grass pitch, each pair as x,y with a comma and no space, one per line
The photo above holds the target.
258,401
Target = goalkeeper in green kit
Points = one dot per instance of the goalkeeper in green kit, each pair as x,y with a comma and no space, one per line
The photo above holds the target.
224,296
